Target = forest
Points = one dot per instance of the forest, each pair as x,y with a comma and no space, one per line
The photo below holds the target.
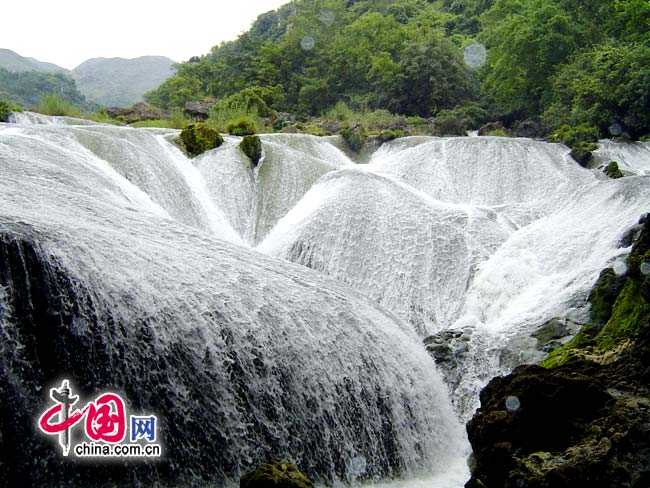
575,69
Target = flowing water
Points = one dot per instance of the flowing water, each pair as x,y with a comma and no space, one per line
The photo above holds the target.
207,259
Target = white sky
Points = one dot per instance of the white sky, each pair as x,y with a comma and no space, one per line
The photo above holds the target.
67,32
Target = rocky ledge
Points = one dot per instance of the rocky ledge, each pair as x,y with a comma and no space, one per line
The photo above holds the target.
583,417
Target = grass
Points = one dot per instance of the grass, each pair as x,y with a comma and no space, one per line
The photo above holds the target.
52,104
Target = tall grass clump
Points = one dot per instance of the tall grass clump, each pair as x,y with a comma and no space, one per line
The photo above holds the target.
53,104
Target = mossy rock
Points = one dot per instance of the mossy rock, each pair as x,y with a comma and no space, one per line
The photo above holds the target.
276,474
243,126
582,151
355,137
603,296
5,111
620,311
6,108
198,138
612,170
251,146
391,134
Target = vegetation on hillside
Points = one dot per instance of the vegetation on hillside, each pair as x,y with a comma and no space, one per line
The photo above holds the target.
27,88
555,62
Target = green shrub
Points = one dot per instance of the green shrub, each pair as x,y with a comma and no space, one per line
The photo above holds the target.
52,104
355,137
459,120
339,112
243,126
572,135
198,138
251,146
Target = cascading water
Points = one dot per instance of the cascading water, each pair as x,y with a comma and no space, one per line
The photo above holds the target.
242,356
144,262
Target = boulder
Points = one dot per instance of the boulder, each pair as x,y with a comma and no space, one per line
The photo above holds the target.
137,113
199,110
198,138
276,474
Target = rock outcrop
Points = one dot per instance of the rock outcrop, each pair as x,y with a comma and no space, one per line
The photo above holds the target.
584,418
199,110
137,113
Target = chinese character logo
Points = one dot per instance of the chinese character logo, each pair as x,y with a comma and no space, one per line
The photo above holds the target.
105,425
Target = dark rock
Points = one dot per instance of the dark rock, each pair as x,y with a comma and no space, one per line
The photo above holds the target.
532,129
548,335
581,423
613,171
276,474
199,110
567,431
251,146
199,138
137,113
492,127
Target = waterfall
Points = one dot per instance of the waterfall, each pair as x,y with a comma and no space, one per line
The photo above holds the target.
186,283
110,274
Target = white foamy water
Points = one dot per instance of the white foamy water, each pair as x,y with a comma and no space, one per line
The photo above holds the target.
299,365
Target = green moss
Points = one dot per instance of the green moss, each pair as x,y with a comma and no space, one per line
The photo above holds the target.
629,311
251,146
355,137
391,134
198,138
629,314
612,170
498,133
243,126
279,474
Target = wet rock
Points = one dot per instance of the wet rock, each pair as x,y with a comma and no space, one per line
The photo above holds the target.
137,113
554,333
567,429
603,296
447,346
276,474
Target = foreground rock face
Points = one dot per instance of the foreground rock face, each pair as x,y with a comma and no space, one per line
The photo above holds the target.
277,474
585,421
581,424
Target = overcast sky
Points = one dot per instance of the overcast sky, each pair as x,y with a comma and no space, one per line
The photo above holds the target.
67,32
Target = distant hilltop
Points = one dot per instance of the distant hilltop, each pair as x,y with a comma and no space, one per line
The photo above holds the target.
105,81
